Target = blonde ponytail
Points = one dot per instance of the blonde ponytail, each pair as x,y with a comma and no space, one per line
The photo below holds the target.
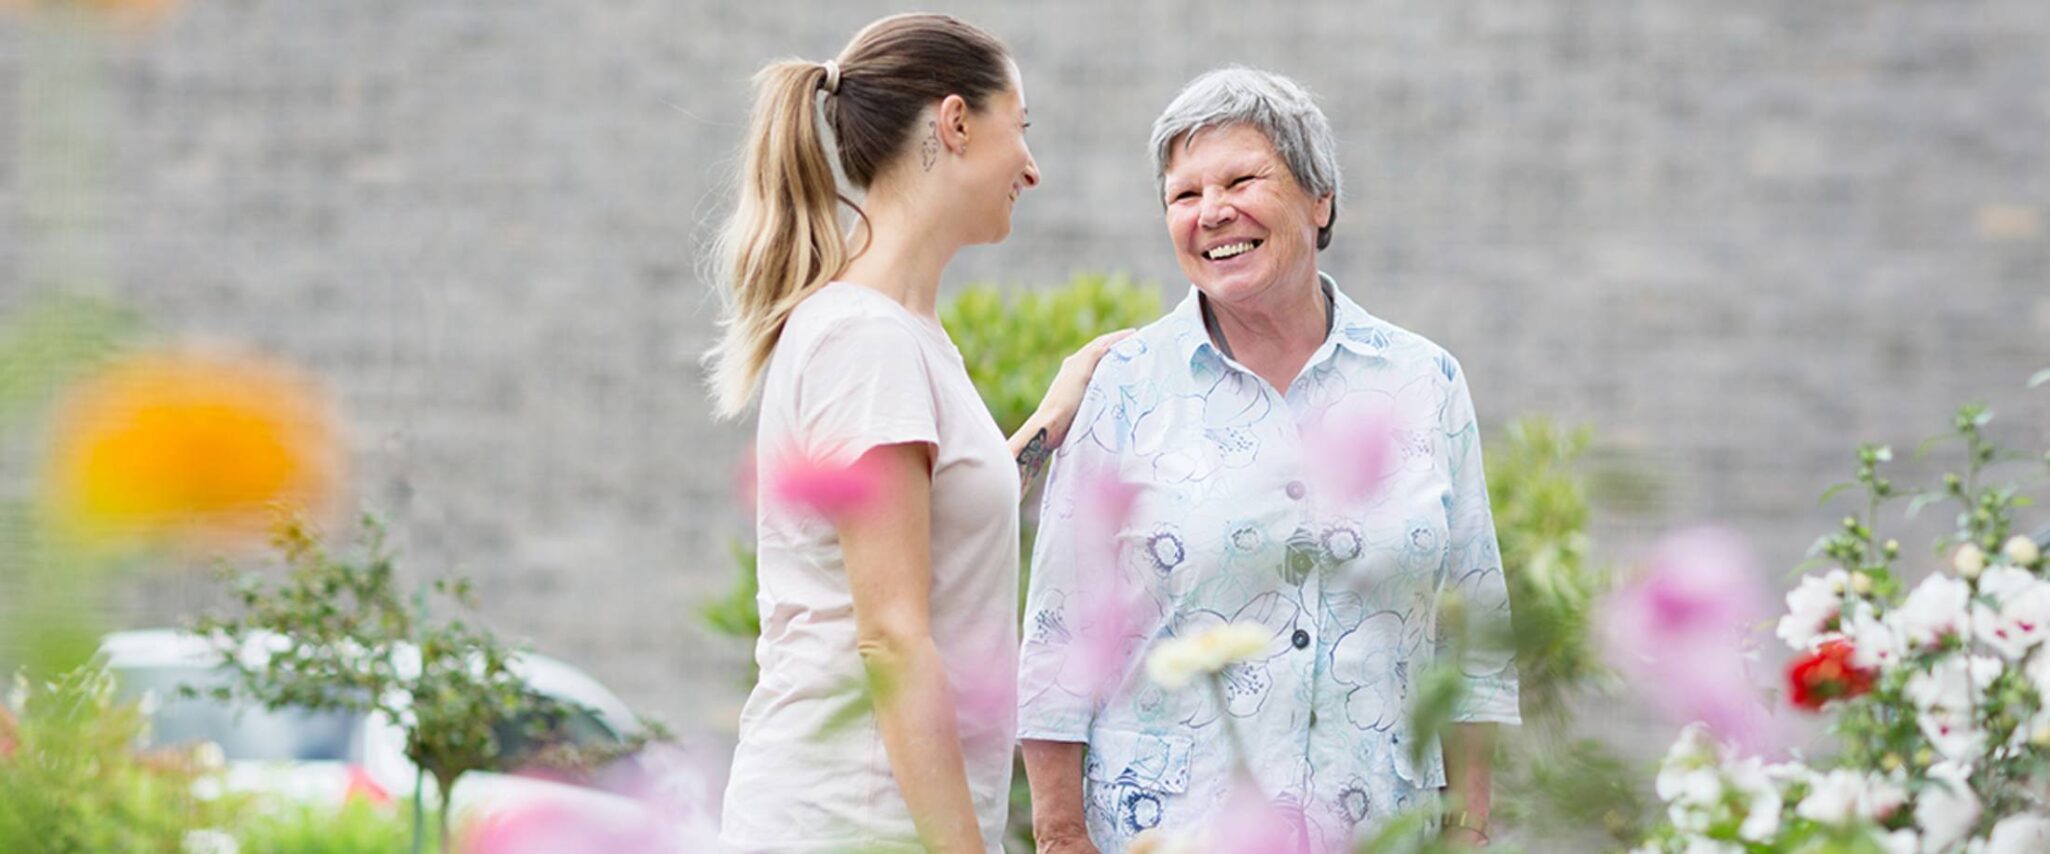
783,241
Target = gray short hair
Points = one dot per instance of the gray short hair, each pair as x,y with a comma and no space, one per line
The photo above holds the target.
1276,106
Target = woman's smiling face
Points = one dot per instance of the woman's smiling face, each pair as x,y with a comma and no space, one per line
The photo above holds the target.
1240,223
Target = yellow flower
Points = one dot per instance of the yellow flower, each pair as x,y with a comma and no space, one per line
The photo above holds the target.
1174,663
185,445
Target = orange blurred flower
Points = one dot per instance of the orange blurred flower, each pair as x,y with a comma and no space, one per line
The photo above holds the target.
182,445
120,12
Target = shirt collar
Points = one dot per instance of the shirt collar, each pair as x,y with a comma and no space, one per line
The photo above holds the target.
1352,328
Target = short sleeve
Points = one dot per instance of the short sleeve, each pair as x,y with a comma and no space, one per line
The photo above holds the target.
865,384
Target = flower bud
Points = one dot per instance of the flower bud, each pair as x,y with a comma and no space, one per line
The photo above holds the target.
1893,547
1861,584
1968,560
1890,762
2041,737
2022,551
1924,756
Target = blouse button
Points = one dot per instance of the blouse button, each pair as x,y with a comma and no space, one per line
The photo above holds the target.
1301,639
1296,490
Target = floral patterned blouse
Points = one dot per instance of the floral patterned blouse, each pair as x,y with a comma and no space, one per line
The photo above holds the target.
1243,510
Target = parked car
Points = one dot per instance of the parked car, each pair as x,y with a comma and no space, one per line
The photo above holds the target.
328,757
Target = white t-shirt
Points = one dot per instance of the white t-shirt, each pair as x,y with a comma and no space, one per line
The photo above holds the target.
854,370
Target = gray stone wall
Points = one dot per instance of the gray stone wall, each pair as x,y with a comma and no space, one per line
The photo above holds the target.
1735,237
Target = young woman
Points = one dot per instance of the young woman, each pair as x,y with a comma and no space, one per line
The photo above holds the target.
888,628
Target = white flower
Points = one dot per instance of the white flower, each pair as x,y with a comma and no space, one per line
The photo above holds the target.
1943,696
1690,818
2022,550
2037,669
1834,797
1691,772
1844,795
1174,663
1883,797
209,841
1968,560
1936,608
1902,841
2002,583
1874,644
1952,732
1762,807
2024,833
1946,811
2020,618
1953,681
1810,607
1784,774
1698,787
1695,747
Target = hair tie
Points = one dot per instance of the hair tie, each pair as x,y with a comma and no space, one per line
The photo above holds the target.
832,84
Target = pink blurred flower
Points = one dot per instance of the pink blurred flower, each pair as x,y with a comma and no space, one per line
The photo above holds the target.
822,487
545,827
1109,629
661,800
1680,630
986,693
1247,822
1352,452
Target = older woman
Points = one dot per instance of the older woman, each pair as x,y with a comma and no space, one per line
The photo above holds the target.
1271,454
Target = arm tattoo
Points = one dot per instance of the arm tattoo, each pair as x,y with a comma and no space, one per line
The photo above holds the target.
929,151
1033,458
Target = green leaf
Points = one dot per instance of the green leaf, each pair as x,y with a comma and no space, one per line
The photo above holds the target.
1833,491
1923,499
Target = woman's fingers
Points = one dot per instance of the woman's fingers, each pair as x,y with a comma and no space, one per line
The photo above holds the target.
1073,379
1101,344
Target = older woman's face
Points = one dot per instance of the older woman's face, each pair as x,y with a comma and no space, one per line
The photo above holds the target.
1241,225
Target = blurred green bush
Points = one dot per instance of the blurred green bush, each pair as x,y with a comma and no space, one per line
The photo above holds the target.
71,779
1013,340
359,827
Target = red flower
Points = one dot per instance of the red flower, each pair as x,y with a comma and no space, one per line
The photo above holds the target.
1826,674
